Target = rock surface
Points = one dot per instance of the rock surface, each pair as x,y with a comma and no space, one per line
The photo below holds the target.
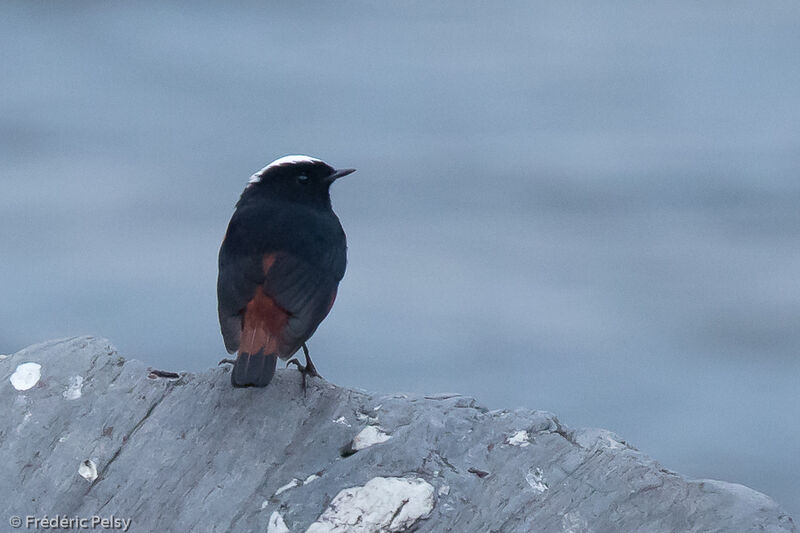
100,435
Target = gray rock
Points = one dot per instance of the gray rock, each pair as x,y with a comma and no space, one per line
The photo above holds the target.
96,434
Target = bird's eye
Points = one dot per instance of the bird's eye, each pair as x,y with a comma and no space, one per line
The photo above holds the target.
302,178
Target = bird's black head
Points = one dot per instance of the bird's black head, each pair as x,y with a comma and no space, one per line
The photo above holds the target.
294,178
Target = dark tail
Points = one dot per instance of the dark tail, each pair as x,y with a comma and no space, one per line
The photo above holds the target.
253,370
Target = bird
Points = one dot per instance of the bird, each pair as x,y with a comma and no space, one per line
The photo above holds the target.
280,264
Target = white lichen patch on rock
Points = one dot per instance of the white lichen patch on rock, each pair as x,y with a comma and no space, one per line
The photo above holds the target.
535,478
382,505
369,436
520,438
73,390
367,417
88,470
292,484
341,420
276,524
27,416
26,376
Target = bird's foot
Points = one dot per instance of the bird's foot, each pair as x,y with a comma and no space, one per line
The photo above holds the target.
227,362
308,370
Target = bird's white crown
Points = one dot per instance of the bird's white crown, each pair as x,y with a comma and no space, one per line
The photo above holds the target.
285,160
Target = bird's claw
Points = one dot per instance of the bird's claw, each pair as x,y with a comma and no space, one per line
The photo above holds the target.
306,370
227,361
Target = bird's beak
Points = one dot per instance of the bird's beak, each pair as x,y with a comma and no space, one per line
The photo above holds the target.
340,173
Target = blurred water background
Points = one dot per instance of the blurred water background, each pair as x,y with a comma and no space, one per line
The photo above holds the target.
588,208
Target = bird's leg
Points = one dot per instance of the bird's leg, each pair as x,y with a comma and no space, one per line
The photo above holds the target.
308,370
311,370
227,362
